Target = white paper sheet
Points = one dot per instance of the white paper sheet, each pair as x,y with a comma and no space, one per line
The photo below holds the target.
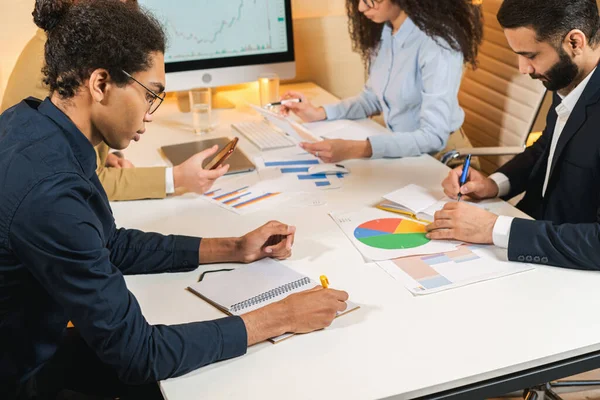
280,122
253,286
341,129
288,170
243,196
380,235
425,202
466,265
414,197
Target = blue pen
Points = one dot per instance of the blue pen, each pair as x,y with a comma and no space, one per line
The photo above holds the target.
465,173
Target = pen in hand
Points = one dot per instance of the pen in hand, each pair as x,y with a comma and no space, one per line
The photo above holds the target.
465,174
284,102
274,239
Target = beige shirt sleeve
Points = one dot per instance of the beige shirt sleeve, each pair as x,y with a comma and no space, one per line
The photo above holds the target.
129,183
119,183
26,77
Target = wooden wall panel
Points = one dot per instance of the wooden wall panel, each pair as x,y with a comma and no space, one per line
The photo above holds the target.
324,55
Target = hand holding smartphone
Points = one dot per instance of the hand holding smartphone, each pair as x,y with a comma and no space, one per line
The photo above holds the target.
222,156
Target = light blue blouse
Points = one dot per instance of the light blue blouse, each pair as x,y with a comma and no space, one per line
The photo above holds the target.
413,81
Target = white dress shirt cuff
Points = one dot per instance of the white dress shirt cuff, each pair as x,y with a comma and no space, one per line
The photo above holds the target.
169,181
502,182
501,232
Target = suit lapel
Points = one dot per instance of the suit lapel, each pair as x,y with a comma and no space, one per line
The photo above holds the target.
542,161
578,117
541,164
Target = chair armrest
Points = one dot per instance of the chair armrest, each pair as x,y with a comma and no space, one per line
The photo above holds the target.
481,151
491,151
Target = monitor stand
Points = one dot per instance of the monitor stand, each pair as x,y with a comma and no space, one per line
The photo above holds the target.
218,101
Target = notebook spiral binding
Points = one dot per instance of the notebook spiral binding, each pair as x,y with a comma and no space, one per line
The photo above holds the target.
266,296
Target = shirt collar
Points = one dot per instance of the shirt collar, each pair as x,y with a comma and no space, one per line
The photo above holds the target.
81,146
570,101
403,33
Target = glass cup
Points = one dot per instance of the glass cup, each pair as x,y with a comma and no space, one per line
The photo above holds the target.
201,108
268,88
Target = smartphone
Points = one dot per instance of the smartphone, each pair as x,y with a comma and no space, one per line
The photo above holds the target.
222,156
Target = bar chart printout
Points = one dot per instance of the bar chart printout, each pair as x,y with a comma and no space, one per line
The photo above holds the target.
295,170
243,199
468,264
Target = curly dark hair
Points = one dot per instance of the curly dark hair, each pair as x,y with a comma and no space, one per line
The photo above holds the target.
458,22
85,35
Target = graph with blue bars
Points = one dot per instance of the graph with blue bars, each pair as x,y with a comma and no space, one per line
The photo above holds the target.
300,168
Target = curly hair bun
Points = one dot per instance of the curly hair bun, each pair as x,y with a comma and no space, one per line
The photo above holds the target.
48,13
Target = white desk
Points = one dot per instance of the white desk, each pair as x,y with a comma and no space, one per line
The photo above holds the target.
395,344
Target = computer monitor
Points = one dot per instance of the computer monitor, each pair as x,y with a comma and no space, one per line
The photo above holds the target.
224,42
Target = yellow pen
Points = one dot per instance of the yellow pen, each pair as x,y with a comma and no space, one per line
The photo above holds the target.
324,281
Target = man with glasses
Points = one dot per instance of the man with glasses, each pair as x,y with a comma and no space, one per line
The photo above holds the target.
120,179
154,99
62,256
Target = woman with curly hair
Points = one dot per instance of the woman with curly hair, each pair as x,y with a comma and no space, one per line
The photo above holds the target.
415,51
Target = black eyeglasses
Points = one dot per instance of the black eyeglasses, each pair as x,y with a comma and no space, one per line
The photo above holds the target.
153,104
369,3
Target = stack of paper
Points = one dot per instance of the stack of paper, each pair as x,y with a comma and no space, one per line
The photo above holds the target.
466,265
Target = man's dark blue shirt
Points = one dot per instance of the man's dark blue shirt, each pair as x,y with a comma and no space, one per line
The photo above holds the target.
62,258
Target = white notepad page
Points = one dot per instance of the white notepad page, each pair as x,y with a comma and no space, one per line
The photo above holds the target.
251,286
413,198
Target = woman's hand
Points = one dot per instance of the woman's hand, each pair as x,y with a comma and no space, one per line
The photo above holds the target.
335,150
304,109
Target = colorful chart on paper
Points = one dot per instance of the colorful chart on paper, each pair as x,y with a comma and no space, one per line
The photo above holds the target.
391,234
242,199
422,268
467,264
300,167
380,235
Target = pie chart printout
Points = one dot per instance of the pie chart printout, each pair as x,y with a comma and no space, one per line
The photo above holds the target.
391,234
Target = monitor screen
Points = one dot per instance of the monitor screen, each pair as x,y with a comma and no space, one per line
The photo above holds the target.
223,42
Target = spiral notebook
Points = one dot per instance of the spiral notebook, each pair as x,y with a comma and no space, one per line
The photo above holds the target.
253,286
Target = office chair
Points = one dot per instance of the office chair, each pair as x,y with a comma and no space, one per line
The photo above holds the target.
501,107
549,390
452,155
501,104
